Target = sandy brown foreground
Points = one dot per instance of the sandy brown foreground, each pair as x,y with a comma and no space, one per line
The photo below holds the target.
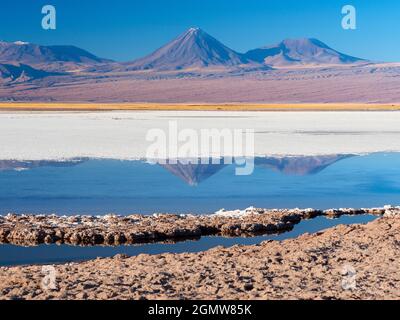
195,107
310,267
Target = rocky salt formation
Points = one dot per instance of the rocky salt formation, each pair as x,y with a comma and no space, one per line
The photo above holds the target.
345,262
135,229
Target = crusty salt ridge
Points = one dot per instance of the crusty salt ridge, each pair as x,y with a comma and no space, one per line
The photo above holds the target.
135,229
309,267
68,135
256,211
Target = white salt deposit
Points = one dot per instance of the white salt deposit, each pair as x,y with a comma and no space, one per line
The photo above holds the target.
122,135
236,213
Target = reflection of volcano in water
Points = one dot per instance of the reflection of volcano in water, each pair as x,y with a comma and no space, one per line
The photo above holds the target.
9,165
306,165
193,174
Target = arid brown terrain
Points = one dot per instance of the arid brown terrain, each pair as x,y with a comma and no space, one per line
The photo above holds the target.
371,84
346,262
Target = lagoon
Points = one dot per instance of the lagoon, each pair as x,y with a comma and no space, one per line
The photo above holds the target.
97,187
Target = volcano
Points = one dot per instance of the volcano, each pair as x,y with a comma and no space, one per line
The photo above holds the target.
193,49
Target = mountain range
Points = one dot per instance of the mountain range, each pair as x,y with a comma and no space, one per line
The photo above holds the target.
197,49
193,50
194,174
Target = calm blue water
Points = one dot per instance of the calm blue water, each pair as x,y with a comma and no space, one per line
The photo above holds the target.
87,186
49,254
123,187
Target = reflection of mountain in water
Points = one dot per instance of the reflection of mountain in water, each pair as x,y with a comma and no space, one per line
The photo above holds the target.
8,165
193,174
306,165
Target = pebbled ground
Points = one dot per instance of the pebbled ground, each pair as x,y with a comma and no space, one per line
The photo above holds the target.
364,258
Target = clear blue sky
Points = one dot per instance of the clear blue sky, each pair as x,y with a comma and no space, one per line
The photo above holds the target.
127,29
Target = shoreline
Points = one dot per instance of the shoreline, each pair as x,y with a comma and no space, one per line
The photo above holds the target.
312,266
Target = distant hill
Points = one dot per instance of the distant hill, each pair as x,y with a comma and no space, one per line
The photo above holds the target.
34,55
300,52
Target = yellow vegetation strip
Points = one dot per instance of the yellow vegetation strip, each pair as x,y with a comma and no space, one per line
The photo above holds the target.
21,106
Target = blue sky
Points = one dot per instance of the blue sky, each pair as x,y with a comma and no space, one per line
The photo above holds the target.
127,29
